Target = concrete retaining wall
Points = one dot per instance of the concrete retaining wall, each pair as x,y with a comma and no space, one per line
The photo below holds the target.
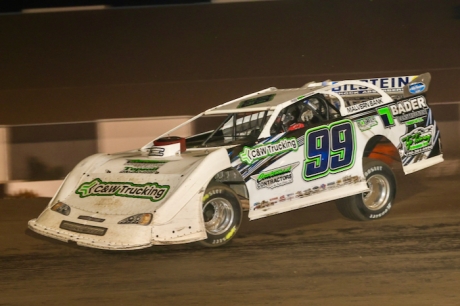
126,134
55,156
3,154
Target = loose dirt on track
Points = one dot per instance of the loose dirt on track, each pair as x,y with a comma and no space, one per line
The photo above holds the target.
312,256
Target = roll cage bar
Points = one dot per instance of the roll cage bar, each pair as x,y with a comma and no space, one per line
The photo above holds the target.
311,89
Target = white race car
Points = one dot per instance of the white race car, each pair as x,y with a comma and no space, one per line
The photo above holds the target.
273,151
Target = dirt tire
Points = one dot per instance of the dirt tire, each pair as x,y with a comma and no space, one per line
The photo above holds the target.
222,215
376,203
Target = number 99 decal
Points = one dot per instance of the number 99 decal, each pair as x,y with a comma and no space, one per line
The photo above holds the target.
329,149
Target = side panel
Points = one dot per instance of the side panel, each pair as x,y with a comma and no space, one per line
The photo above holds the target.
186,226
303,168
417,138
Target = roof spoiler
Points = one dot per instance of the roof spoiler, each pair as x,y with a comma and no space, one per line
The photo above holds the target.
393,86
418,85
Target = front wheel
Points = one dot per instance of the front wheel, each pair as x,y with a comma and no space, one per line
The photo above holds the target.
222,214
378,201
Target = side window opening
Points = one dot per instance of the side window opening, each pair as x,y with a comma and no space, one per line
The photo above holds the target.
245,124
234,128
308,112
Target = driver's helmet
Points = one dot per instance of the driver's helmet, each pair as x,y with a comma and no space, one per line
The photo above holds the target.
306,112
314,103
290,116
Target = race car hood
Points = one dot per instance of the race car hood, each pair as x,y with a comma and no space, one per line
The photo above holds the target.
133,182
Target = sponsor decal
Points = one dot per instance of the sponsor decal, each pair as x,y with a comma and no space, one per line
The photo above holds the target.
251,154
142,166
340,183
408,106
417,114
151,191
255,101
264,205
386,116
418,141
275,177
367,123
405,111
393,84
139,170
416,87
146,162
305,193
347,180
414,121
364,105
156,151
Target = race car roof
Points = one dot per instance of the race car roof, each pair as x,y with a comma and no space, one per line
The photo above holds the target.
266,99
271,97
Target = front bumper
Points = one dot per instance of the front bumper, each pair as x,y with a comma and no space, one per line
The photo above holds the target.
107,235
84,239
187,226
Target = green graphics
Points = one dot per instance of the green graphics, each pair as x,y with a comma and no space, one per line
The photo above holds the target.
250,155
414,121
275,177
139,170
255,101
329,149
418,141
146,162
151,191
406,111
142,166
367,123
386,116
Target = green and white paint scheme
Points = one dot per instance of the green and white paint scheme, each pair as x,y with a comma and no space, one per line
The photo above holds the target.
275,177
251,154
150,191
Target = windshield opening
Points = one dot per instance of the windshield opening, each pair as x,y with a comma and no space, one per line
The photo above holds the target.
236,128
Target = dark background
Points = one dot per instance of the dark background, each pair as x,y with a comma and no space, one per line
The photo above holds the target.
174,60
182,59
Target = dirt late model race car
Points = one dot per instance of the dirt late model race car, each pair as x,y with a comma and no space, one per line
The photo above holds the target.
272,151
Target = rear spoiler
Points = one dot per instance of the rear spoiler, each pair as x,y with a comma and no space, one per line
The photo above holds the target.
405,86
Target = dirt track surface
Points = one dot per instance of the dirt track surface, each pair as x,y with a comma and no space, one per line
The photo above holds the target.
311,256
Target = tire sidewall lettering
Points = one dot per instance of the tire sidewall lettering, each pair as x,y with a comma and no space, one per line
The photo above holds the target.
372,170
383,213
216,192
375,169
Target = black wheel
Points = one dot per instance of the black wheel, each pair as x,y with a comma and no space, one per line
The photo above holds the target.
222,215
378,201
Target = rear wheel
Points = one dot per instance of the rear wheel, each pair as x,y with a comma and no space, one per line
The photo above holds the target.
222,215
378,201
